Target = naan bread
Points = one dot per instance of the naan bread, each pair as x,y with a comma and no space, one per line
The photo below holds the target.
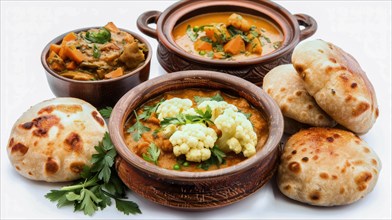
337,83
54,139
327,167
286,87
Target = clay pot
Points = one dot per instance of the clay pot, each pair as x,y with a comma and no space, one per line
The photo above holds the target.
173,58
99,93
196,190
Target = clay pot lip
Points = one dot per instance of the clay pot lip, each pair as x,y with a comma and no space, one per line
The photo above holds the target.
58,39
123,108
288,43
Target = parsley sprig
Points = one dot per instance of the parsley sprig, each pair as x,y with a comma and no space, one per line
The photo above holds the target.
100,37
149,110
152,154
182,119
217,158
217,97
137,129
106,112
99,185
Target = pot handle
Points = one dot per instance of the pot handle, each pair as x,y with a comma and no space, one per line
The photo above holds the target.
147,18
309,23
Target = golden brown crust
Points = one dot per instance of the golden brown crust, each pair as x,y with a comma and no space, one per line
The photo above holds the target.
327,167
285,86
54,139
338,84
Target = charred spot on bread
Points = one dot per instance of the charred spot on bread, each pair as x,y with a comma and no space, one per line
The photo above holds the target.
76,167
43,124
361,108
21,148
324,175
354,85
74,142
315,196
97,118
27,125
362,179
51,166
294,167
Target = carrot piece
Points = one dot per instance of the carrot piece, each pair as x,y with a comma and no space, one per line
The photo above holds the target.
69,37
254,46
115,73
235,46
112,27
74,54
201,45
55,62
210,33
55,48
218,55
70,65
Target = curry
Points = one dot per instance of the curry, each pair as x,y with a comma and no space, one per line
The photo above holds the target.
162,130
228,36
96,54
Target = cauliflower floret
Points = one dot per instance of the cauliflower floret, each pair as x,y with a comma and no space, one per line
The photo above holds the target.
193,140
173,107
217,108
237,133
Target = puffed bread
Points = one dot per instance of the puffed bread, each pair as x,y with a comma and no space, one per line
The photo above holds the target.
327,167
286,87
54,139
338,84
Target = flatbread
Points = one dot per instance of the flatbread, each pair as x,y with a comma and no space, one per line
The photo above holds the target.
337,83
286,87
327,167
54,139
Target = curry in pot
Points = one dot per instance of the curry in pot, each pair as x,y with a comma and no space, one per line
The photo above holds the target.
228,36
195,130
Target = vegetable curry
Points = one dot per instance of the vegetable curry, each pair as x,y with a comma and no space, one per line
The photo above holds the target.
228,36
96,54
195,130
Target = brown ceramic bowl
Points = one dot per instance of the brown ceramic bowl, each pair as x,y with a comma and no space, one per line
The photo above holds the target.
99,93
196,190
173,58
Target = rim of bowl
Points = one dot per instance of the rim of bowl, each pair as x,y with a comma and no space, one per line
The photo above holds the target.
287,44
122,110
58,39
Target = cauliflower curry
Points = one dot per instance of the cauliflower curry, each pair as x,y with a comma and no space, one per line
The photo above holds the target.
195,130
228,36
96,54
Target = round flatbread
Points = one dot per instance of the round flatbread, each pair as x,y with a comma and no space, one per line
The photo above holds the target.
327,167
286,87
54,139
337,83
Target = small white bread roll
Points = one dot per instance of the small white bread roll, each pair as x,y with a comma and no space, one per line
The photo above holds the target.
54,139
327,167
337,83
286,87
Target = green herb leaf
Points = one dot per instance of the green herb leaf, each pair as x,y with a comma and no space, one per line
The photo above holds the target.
217,97
149,110
247,115
127,207
191,34
267,39
153,153
137,129
106,112
217,158
206,39
96,52
277,44
88,195
181,119
234,31
100,37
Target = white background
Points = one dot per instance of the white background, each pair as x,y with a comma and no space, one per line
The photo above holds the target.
359,27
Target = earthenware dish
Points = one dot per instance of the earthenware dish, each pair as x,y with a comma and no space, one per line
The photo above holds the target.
196,190
99,93
172,58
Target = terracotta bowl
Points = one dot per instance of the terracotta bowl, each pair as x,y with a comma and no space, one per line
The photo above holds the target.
196,190
173,58
99,93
